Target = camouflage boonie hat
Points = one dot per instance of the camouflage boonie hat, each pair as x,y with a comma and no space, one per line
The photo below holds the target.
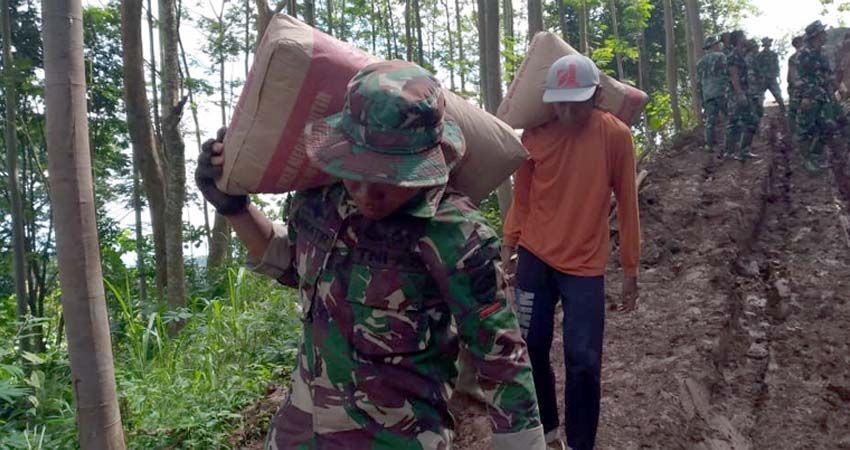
710,41
392,130
815,28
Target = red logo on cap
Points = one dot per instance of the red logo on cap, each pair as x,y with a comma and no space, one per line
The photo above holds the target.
568,79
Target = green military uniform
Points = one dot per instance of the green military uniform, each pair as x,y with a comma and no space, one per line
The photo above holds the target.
741,125
755,84
768,61
713,84
389,303
816,82
793,91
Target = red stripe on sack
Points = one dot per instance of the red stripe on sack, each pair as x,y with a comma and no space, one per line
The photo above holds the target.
490,310
323,76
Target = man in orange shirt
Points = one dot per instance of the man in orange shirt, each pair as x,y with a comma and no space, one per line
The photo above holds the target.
558,226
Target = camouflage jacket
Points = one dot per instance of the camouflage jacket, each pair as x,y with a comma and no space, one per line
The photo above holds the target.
815,78
768,62
793,62
737,59
386,306
755,75
713,76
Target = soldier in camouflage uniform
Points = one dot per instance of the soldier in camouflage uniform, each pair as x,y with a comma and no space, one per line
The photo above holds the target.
713,82
769,64
820,114
740,127
793,90
755,84
726,39
395,273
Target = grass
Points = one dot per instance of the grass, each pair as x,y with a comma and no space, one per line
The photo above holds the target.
184,391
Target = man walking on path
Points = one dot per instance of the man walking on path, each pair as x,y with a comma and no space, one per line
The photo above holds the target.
713,81
820,114
769,64
741,125
395,272
558,226
793,89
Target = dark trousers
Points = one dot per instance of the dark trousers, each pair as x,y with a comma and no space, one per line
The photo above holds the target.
539,287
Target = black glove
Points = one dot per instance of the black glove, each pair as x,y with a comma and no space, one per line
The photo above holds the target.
205,176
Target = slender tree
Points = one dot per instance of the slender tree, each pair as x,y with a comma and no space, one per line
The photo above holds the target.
510,39
310,12
535,18
142,135
562,21
582,26
171,110
460,50
452,61
420,58
672,84
695,41
154,90
72,198
612,6
18,237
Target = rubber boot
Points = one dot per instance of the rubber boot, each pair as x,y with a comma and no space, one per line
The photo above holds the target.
806,155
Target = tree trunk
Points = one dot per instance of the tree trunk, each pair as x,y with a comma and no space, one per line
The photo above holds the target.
330,17
171,111
535,18
246,49
616,28
219,242
375,24
582,27
408,36
672,84
154,90
562,20
142,132
292,8
695,42
488,22
194,108
310,12
460,54
264,16
452,61
141,270
18,238
643,80
419,46
508,19
78,251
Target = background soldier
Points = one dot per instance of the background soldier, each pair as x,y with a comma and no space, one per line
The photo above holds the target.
755,85
793,89
739,127
820,114
769,65
713,84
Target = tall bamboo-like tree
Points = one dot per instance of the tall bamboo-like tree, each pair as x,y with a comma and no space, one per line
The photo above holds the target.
672,83
535,18
142,135
695,41
510,39
582,27
491,77
72,198
171,111
452,61
562,21
310,12
460,47
612,6
18,237
420,57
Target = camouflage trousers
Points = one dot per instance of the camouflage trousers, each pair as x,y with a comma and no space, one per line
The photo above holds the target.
773,87
714,111
741,126
817,124
757,102
793,107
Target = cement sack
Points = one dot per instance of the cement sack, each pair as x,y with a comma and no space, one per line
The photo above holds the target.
301,74
523,105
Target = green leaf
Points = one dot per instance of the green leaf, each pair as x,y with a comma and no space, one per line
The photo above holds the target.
33,358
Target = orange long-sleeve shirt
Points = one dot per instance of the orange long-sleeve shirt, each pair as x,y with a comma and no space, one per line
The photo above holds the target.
562,196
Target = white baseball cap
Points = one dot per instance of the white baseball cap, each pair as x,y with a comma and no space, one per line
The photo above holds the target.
572,78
